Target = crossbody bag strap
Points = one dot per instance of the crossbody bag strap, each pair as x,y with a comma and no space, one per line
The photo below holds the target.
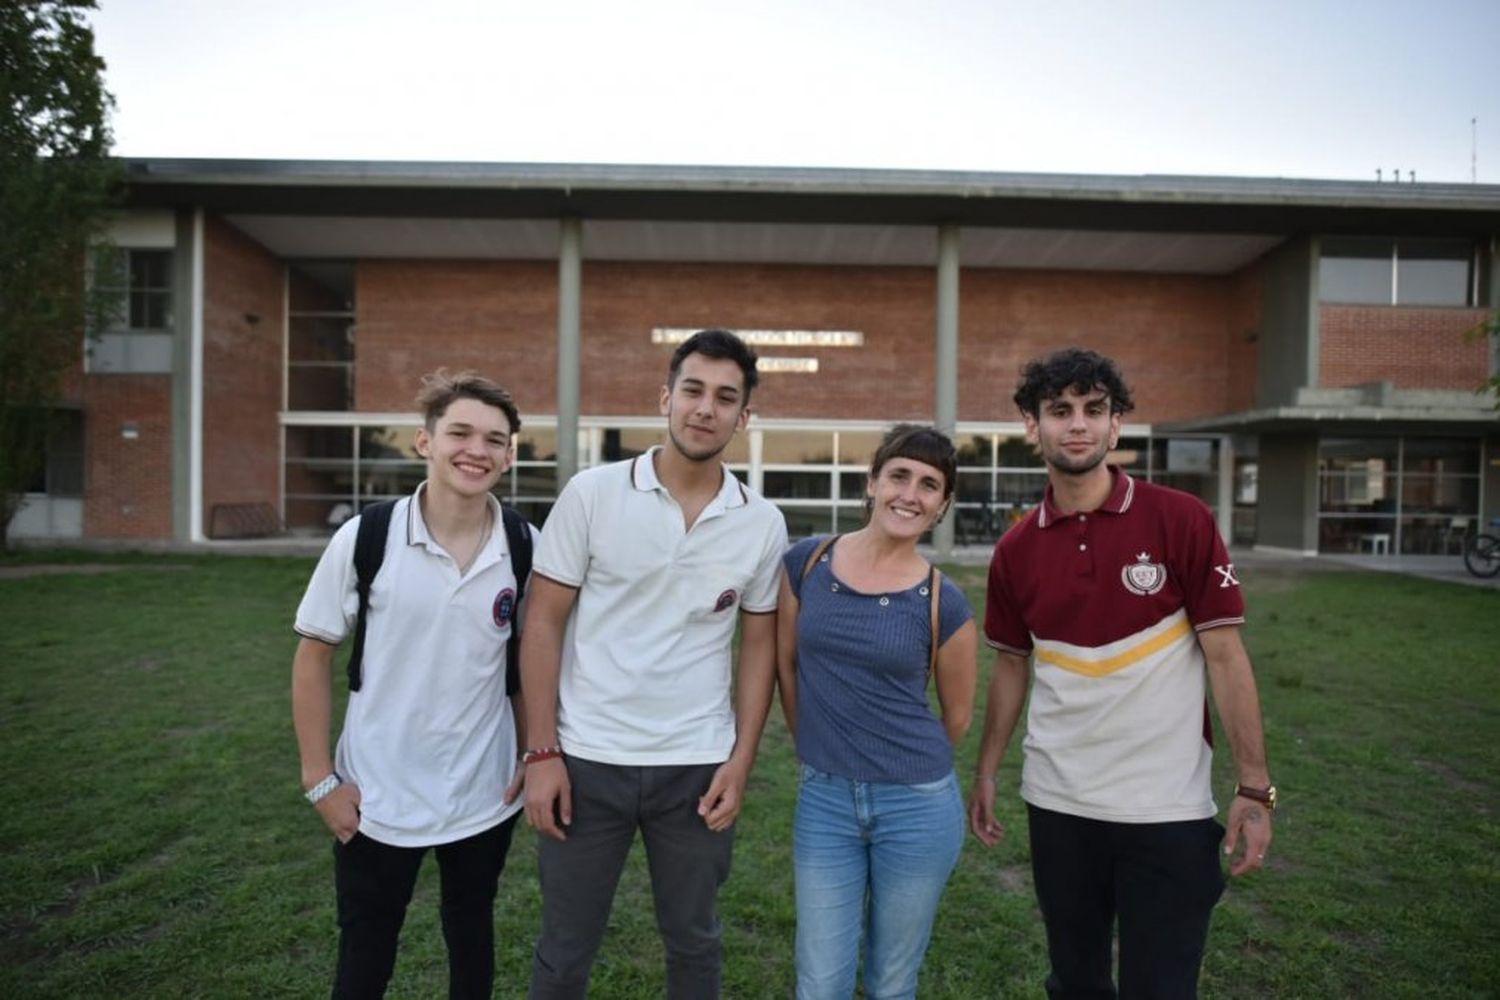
817,553
935,585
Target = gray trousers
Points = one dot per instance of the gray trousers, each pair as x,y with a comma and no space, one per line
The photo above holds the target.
688,863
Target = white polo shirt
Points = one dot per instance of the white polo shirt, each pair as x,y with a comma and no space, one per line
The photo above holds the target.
646,670
429,738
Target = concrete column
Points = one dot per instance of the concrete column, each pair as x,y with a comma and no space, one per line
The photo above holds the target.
945,375
1287,507
1225,508
187,378
569,346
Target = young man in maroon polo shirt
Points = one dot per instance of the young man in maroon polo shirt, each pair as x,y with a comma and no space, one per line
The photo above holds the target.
1117,600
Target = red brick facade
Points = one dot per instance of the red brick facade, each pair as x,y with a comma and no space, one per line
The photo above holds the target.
501,318
1412,347
1188,345
243,331
127,480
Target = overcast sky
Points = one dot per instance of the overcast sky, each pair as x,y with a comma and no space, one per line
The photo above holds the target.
1290,88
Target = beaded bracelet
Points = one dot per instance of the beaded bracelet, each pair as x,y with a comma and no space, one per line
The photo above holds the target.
536,754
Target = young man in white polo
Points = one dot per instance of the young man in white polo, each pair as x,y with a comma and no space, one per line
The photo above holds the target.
643,568
427,757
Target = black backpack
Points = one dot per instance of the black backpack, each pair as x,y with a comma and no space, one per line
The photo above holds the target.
369,553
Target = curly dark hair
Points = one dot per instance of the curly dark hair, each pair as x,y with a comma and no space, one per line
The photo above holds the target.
1071,368
719,345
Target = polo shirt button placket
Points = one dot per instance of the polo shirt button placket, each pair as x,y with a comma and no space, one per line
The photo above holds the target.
1086,562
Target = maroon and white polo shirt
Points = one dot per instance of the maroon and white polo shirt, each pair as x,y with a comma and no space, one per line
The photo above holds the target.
1109,603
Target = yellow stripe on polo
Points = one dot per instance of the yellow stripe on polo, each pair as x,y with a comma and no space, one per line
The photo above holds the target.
1112,658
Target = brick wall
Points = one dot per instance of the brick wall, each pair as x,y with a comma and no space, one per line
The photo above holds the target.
243,332
1243,320
128,482
501,318
1169,333
1413,347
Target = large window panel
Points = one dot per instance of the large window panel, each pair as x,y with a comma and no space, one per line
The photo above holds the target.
781,447
320,336
1434,272
319,475
1356,270
137,335
320,362
805,520
781,484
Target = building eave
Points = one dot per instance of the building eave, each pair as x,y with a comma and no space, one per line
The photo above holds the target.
626,191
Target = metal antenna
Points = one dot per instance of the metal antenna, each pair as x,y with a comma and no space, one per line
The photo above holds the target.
1473,150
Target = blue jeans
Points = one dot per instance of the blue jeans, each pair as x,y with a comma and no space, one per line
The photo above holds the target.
872,860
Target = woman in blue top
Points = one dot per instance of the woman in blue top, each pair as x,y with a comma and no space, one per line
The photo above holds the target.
880,820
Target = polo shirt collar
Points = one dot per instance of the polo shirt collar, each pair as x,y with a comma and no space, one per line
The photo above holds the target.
416,525
1118,501
643,477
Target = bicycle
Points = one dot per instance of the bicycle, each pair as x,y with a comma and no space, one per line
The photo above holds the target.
1482,553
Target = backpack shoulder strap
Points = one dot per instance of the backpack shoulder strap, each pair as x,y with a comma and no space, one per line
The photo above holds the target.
935,585
369,553
518,538
817,553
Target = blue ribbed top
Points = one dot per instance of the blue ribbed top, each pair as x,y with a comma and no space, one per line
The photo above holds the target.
862,710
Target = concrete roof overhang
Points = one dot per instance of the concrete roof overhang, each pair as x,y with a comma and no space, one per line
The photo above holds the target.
1345,421
794,215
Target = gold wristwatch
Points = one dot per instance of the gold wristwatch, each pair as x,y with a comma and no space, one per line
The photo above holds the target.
1265,796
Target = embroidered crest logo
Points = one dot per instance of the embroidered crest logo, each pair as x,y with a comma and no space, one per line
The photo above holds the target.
1143,577
504,608
726,600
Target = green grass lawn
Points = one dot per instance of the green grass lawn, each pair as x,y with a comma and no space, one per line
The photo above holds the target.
153,841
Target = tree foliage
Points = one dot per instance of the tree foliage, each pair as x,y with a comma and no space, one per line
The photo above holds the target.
57,184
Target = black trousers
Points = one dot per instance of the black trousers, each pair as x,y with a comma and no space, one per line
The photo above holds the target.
1160,881
374,883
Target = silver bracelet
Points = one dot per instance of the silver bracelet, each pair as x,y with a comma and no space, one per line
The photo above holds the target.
317,793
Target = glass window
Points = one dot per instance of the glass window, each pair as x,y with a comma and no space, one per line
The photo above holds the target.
320,336
1440,476
623,442
140,283
1357,475
803,521
1356,534
536,444
799,448
1434,272
858,448
55,464
1356,270
1017,453
1441,456
852,486
535,482
782,485
319,474
136,336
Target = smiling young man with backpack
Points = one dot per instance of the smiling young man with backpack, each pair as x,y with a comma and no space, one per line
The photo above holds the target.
429,586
